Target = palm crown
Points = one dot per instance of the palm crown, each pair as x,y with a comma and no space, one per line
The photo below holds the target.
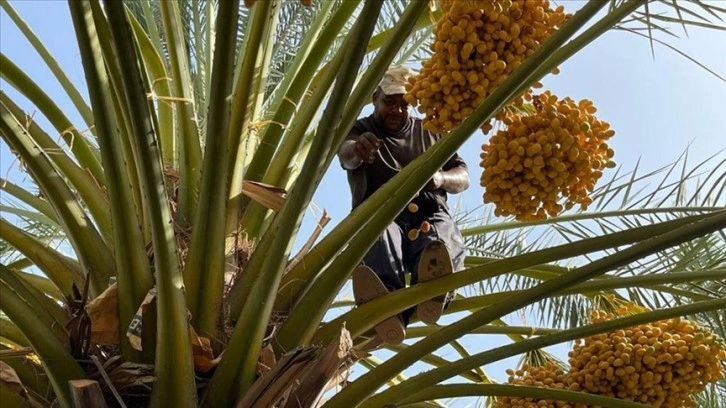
210,127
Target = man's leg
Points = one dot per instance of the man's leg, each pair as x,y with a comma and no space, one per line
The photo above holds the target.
379,274
386,258
435,254
433,263
444,229
368,286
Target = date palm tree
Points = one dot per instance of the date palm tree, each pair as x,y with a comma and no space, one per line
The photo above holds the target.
173,217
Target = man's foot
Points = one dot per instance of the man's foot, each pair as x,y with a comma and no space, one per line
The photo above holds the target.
435,262
368,286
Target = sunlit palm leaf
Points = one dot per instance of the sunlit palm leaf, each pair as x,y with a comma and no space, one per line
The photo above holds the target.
675,13
634,191
624,202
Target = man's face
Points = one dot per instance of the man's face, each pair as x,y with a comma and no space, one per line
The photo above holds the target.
390,110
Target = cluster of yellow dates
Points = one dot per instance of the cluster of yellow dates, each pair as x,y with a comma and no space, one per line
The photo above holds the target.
661,364
477,44
549,375
546,161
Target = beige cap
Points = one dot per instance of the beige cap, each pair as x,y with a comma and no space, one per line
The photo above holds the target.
394,80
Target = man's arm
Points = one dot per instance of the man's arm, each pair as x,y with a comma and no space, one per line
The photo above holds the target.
358,149
453,177
453,181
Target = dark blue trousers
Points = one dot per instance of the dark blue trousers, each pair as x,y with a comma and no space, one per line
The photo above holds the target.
394,254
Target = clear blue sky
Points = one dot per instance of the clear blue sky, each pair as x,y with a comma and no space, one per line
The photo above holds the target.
658,107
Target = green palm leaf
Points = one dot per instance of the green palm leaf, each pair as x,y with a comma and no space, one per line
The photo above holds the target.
189,99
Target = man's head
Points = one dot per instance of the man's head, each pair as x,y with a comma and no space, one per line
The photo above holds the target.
389,106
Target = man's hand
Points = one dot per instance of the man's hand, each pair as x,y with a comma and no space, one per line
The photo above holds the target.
436,182
366,146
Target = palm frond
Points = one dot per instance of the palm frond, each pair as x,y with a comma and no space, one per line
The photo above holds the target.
294,19
33,222
713,397
660,17
627,200
645,198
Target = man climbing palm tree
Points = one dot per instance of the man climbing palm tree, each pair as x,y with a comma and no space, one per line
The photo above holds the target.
376,148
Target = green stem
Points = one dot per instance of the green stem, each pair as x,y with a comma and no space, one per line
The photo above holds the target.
237,371
63,271
190,161
423,331
129,246
209,36
285,105
253,220
594,286
371,362
20,264
59,364
367,384
50,313
435,361
425,21
152,27
41,283
296,83
52,64
203,80
521,391
583,216
87,156
205,266
174,368
89,246
648,280
10,331
123,121
161,90
497,354
414,295
37,203
249,84
89,191
254,216
478,374
31,216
